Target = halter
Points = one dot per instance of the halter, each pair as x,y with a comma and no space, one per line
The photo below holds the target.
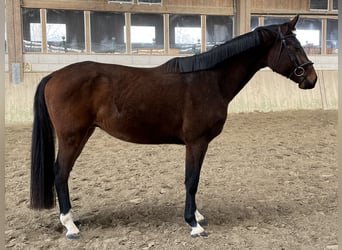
299,70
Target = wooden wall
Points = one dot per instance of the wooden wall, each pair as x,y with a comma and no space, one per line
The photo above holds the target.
218,7
212,7
287,7
267,91
14,20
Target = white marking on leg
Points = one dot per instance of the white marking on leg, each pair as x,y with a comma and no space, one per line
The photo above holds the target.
68,222
197,230
199,217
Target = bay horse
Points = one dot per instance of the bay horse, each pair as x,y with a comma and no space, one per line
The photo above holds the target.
183,101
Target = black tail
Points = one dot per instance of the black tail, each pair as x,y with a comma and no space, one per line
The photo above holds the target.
42,153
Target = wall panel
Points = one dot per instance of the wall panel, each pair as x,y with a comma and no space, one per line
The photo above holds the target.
278,6
218,7
265,92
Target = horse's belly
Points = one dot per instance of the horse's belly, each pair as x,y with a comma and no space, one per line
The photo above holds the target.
143,132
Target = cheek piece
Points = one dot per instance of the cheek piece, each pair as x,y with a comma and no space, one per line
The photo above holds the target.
299,70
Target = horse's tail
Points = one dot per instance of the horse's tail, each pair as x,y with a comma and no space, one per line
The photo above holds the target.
42,153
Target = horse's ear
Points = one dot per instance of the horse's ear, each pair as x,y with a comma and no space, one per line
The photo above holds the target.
293,22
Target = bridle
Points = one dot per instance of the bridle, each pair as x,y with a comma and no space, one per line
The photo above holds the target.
299,69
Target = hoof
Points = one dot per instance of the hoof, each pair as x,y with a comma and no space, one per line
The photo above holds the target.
73,236
198,231
203,235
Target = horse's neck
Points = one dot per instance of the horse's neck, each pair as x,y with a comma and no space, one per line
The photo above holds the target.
236,74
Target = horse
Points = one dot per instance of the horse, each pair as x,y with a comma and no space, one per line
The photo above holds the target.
183,101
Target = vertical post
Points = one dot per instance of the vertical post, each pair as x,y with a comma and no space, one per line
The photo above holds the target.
14,38
204,31
18,38
10,37
44,33
87,31
166,34
243,16
128,33
324,36
340,120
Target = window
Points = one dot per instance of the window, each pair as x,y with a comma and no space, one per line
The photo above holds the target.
219,30
150,1
65,31
319,4
32,30
275,20
107,32
185,34
335,5
120,1
309,33
332,36
254,22
147,33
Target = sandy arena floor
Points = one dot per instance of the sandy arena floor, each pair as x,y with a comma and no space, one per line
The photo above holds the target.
269,181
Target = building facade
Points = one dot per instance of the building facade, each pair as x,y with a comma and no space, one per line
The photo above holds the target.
43,36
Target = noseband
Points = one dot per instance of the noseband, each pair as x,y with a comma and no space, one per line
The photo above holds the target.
299,69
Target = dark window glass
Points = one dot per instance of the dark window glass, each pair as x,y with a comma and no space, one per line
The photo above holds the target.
185,34
149,1
32,30
335,5
121,1
254,22
275,20
319,4
332,36
107,32
65,31
219,30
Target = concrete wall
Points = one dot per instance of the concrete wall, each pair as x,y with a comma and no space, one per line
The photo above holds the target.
267,91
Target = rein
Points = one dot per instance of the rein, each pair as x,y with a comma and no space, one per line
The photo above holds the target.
299,70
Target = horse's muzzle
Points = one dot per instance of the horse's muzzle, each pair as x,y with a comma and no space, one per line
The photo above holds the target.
307,83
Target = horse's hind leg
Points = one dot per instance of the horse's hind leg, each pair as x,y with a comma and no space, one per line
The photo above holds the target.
70,147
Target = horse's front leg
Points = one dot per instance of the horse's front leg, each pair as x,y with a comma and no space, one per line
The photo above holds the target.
194,158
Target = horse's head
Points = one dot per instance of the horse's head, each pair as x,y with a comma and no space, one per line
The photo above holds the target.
287,57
